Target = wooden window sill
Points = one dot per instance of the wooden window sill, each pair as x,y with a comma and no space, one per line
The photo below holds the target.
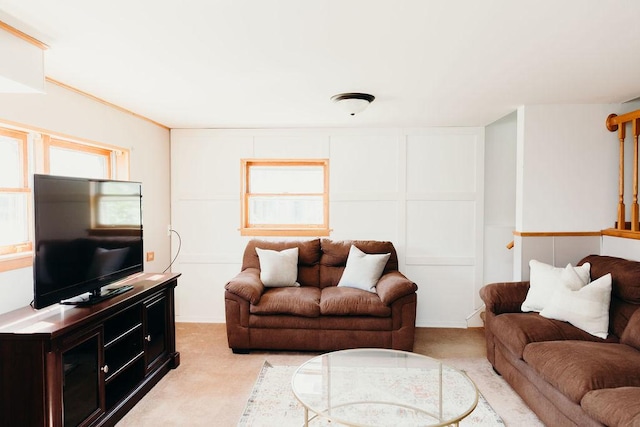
15,262
275,232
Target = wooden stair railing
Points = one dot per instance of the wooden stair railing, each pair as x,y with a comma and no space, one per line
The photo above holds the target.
618,123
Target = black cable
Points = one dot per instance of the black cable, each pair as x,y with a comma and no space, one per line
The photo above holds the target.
177,252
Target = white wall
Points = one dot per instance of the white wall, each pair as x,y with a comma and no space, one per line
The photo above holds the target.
623,248
569,167
22,70
567,181
66,112
422,189
499,198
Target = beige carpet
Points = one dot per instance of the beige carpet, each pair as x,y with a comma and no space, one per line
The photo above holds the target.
212,385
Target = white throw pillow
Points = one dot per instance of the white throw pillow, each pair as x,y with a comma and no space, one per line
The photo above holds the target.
544,279
278,269
586,308
363,270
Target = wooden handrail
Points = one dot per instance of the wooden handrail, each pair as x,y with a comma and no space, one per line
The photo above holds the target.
556,233
627,234
618,123
613,120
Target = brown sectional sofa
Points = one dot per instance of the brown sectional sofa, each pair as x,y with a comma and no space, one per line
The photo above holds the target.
567,376
318,315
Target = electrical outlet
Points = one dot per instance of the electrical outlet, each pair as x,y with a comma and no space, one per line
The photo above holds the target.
151,256
169,230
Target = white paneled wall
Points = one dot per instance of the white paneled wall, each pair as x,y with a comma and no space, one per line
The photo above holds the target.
422,189
444,226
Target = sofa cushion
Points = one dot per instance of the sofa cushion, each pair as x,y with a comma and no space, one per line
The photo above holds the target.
302,301
516,330
624,274
577,367
586,308
351,302
614,406
308,257
363,270
546,279
335,254
278,269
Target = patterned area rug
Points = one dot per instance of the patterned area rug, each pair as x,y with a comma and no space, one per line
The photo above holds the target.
272,403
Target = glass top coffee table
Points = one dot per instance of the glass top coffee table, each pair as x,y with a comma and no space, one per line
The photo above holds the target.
365,387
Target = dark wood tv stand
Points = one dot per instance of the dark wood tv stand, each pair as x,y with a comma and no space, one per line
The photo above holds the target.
87,366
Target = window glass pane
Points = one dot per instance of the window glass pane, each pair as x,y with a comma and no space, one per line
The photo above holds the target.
116,205
77,163
114,188
286,210
119,210
10,162
286,179
13,218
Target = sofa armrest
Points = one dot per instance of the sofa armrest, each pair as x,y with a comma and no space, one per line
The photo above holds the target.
247,285
394,285
505,297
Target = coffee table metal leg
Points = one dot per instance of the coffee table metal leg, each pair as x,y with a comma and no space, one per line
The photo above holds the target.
306,417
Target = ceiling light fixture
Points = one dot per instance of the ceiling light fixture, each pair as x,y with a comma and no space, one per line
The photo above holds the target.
353,103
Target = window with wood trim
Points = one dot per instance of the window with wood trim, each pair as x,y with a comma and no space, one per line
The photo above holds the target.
285,197
68,158
15,194
24,151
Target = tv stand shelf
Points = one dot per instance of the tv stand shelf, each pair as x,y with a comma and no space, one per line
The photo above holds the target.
67,366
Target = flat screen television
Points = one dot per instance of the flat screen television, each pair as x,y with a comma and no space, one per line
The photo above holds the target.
88,234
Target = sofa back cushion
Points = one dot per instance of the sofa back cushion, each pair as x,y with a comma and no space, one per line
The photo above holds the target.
625,292
335,254
308,257
625,275
631,334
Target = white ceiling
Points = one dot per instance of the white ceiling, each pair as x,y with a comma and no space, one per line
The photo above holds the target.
276,63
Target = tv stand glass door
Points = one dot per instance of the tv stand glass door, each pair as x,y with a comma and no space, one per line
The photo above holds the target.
82,367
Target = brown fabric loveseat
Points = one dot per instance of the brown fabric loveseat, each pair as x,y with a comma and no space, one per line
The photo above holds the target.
567,376
318,315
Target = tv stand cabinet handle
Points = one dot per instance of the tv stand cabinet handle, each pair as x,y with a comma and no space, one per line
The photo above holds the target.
148,338
105,369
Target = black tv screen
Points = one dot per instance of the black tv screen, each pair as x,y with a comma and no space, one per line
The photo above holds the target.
88,234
